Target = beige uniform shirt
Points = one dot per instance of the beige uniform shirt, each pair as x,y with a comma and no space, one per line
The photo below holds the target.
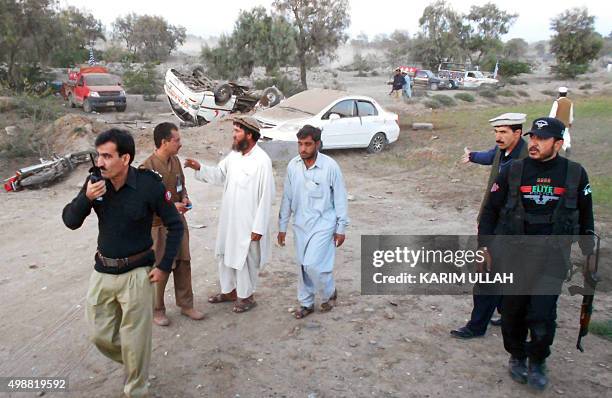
174,181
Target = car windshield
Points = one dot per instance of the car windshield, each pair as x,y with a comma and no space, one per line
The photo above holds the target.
478,74
100,80
311,101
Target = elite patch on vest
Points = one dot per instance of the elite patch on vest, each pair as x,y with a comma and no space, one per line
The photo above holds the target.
494,187
542,194
587,190
168,196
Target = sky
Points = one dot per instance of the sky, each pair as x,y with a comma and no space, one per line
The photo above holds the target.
211,18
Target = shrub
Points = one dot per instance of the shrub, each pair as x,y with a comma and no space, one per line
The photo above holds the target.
467,97
444,100
549,93
287,86
145,81
587,86
506,93
433,104
487,93
522,93
374,73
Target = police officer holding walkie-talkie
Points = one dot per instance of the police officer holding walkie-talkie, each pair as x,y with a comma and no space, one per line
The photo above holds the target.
120,294
548,199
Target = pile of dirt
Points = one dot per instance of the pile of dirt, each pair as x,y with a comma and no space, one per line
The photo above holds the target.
72,133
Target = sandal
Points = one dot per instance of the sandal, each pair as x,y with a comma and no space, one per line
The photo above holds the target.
221,298
329,304
244,306
303,312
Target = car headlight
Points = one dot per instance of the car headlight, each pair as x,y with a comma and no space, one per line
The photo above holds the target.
94,94
122,93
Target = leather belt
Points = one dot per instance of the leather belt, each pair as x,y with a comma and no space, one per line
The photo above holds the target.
121,262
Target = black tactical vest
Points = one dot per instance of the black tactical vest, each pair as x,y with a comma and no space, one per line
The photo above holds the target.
564,218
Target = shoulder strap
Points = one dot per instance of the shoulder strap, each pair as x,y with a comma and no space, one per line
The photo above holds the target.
514,182
572,179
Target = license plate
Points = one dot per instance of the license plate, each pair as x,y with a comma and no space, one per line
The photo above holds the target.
110,103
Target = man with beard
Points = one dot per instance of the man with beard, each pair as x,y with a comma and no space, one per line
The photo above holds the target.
120,293
314,193
243,241
166,163
509,146
548,198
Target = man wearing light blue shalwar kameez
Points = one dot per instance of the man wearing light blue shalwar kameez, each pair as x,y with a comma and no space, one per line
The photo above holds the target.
316,197
407,86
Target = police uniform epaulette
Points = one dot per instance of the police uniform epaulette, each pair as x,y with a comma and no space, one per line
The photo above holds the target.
151,173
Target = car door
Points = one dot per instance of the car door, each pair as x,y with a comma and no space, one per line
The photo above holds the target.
343,131
421,79
371,122
79,90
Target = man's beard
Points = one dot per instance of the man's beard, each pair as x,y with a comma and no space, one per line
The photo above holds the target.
240,145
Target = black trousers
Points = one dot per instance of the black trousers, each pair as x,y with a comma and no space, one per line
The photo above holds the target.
534,315
484,308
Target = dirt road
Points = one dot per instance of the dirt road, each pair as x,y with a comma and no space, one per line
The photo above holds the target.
366,347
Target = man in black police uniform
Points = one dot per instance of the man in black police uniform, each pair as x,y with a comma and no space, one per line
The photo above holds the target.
544,194
120,294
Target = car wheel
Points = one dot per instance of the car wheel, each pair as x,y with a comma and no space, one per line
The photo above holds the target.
433,86
453,84
121,108
71,102
87,106
378,143
272,96
223,93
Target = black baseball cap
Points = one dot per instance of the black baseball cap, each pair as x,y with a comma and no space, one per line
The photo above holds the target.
547,127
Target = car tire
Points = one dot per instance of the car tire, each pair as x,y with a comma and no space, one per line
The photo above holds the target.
71,102
87,108
121,108
272,96
223,93
453,85
377,143
433,86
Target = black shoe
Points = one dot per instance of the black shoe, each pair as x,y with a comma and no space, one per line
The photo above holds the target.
464,333
496,322
537,376
518,369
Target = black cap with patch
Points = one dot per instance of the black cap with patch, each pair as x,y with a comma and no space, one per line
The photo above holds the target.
547,127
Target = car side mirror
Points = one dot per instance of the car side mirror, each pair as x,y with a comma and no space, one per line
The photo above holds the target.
334,116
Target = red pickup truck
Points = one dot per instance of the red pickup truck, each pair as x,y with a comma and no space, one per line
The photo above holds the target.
93,87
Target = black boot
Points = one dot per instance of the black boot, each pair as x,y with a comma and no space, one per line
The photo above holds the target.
518,369
464,333
537,376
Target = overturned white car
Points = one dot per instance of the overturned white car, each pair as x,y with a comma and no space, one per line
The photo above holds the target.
197,100
346,120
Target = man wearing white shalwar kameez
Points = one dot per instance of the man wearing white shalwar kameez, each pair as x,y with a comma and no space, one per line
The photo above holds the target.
314,193
243,237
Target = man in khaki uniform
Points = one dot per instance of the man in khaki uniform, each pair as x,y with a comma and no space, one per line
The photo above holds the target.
167,164
563,109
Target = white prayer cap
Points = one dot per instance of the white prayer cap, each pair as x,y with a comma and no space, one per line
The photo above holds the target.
508,119
563,90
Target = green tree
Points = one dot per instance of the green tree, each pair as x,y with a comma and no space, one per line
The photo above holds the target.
399,48
439,38
515,49
222,60
321,26
482,30
77,30
144,80
148,38
575,42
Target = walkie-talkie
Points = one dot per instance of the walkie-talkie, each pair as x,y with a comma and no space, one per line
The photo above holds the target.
95,174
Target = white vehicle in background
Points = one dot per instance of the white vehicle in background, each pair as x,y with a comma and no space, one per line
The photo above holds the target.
197,100
346,120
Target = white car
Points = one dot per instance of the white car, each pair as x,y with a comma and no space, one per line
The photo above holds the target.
346,120
196,99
